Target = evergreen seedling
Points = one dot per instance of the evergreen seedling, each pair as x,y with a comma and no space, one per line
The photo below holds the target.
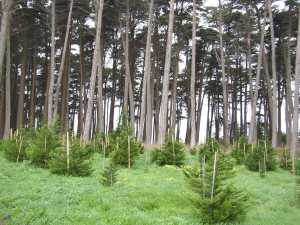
109,175
218,200
171,153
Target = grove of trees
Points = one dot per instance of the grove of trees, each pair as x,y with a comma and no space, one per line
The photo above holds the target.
178,68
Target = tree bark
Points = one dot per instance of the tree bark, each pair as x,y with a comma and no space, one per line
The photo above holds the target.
164,101
95,65
63,61
274,77
193,77
146,106
7,124
254,96
224,78
52,66
296,99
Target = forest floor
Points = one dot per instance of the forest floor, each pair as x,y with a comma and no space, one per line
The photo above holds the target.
144,195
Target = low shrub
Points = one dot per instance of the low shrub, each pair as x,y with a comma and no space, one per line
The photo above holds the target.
72,162
171,153
123,146
261,158
241,150
39,150
285,160
109,175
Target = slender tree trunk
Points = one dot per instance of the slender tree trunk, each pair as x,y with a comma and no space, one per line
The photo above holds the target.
52,66
296,99
164,101
7,125
254,96
63,61
21,95
33,94
193,77
274,77
5,24
224,78
95,65
146,106
100,114
81,81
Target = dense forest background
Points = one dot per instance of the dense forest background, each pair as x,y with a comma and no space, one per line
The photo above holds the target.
177,68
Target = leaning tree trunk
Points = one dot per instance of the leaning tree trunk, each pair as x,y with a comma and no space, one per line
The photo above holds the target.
296,100
163,114
7,125
193,77
5,21
254,96
52,67
63,61
224,78
95,65
146,106
274,78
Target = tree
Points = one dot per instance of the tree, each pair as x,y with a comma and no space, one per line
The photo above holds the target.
296,100
95,65
146,105
163,114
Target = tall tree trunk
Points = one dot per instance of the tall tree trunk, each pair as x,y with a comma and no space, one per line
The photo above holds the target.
193,77
100,111
63,61
146,106
33,93
164,101
52,66
81,83
95,65
7,125
274,77
224,78
21,95
296,99
5,23
254,96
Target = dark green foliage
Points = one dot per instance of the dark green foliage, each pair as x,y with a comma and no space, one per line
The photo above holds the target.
218,200
39,150
261,158
122,145
171,153
79,160
241,150
15,148
285,160
298,167
194,151
109,175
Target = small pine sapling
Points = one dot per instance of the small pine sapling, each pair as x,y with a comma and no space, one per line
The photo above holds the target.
285,160
123,146
261,158
171,153
71,159
218,200
42,145
241,150
109,175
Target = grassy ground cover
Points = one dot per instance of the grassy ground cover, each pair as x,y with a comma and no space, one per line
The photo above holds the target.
144,195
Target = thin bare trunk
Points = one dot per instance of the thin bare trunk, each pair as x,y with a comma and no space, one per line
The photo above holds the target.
7,125
193,77
63,61
52,66
95,65
164,101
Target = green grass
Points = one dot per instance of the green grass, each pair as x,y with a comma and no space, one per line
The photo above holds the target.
142,196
